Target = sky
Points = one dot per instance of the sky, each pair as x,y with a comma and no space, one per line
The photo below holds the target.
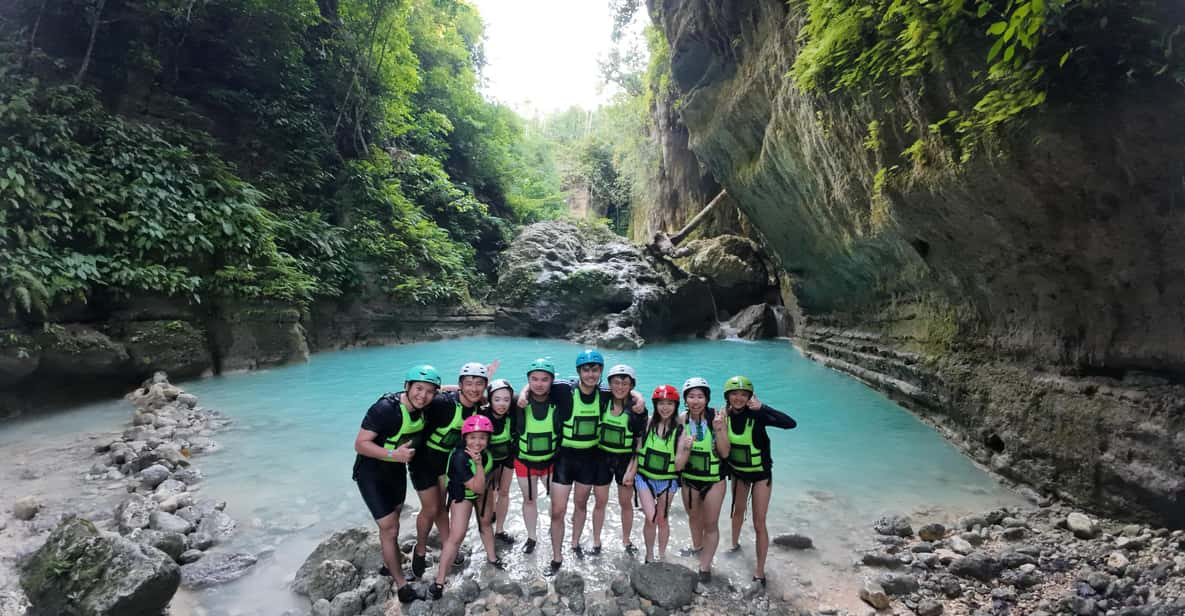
541,55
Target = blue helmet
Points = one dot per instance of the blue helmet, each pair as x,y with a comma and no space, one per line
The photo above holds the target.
589,356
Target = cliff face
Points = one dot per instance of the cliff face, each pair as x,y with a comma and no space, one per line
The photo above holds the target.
1032,304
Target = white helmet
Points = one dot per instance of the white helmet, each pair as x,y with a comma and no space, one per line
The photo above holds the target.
694,382
623,370
474,369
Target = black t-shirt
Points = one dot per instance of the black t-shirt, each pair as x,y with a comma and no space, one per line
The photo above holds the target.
560,395
385,419
440,411
762,418
500,423
459,472
637,421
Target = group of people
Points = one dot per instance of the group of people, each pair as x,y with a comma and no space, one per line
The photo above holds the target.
462,444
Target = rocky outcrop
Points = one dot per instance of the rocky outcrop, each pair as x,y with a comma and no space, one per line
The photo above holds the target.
1029,303
735,268
104,349
83,572
560,280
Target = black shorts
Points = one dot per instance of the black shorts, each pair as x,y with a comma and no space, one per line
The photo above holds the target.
751,478
702,487
612,468
427,467
577,466
383,492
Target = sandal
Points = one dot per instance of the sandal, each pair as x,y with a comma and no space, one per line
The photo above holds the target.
384,571
497,563
759,580
595,551
705,576
631,549
691,551
578,550
419,564
504,537
554,568
529,546
436,590
459,559
407,594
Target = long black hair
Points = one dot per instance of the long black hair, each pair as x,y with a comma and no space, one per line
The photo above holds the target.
656,420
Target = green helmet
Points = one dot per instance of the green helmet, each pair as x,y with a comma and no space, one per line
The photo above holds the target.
541,364
423,373
738,382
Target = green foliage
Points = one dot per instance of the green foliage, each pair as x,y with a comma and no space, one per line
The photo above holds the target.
869,48
254,149
92,201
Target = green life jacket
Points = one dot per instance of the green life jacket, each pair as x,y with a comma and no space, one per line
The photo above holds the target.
743,455
408,428
616,436
447,437
657,458
703,463
538,442
487,463
580,429
499,447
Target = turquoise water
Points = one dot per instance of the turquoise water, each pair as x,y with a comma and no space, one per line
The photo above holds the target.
285,465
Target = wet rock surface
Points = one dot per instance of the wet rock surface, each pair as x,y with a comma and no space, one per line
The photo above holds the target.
585,283
153,537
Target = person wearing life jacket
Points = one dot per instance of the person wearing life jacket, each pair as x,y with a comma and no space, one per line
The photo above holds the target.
390,436
502,447
469,467
703,476
443,420
662,454
749,462
578,458
536,426
622,425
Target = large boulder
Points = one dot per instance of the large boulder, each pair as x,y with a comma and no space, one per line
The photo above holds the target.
734,267
82,572
670,586
558,279
331,578
358,546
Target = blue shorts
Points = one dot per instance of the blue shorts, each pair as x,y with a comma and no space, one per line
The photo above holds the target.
657,487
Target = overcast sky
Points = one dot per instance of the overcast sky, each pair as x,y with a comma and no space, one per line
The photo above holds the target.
541,55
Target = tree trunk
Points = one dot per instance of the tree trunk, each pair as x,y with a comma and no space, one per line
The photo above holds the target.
90,46
33,34
691,225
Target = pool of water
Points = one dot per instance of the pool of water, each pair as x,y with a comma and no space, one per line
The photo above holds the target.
285,464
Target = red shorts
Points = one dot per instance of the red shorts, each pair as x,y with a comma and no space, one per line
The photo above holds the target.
522,470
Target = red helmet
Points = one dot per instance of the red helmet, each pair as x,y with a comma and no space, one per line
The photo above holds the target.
477,423
665,392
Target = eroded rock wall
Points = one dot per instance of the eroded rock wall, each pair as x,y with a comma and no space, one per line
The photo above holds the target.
1033,303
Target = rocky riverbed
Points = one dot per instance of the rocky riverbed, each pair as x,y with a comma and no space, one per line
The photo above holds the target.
127,505
1033,562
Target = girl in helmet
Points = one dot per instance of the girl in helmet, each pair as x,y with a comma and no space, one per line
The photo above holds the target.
442,433
749,461
469,466
502,447
661,455
703,476
390,435
621,428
